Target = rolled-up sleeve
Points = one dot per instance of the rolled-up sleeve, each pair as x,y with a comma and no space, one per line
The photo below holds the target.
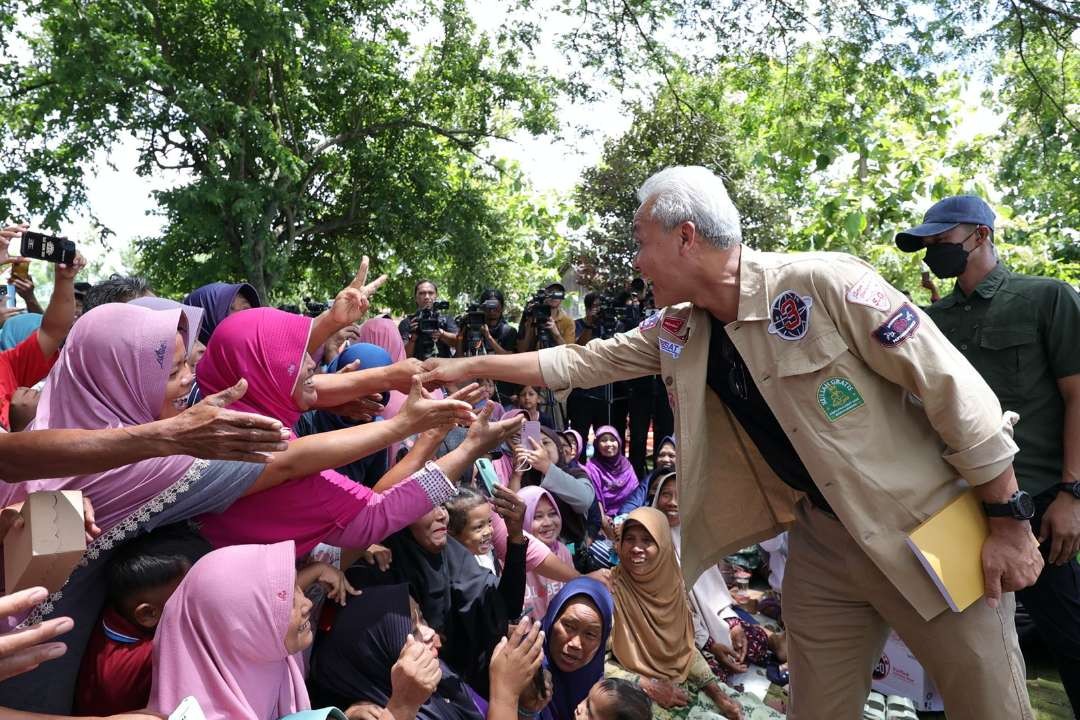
959,404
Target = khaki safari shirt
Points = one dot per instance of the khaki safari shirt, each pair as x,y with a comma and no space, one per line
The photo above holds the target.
842,358
1022,334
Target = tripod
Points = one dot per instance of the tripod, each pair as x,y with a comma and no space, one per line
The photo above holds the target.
558,413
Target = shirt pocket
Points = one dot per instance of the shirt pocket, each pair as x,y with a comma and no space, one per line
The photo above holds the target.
1010,357
811,357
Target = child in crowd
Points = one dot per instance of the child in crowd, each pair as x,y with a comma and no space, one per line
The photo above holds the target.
470,524
489,394
528,400
141,577
615,699
544,521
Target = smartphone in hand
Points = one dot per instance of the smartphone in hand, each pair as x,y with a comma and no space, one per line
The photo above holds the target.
486,470
50,248
530,430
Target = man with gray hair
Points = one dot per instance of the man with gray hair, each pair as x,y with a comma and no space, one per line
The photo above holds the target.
810,395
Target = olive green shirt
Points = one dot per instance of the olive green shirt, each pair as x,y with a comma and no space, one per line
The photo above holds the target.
1022,334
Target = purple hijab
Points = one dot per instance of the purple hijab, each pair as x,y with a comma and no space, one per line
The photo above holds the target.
109,379
193,314
570,688
216,299
614,478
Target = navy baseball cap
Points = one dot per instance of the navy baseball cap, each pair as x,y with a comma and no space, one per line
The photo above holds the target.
945,215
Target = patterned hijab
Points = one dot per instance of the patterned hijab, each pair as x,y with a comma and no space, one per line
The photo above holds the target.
109,379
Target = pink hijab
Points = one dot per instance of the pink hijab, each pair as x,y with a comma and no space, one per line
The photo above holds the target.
223,641
531,496
111,373
267,347
384,333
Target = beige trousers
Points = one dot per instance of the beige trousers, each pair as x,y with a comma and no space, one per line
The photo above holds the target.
838,608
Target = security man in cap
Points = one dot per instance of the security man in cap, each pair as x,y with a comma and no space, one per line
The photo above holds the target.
1022,334
810,394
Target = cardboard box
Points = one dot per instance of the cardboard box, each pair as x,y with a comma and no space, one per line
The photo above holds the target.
899,673
50,543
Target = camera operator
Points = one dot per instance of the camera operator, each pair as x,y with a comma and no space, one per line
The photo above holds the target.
586,328
550,321
500,337
445,336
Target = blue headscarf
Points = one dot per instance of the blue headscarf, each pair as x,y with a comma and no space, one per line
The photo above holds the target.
367,470
216,299
571,688
18,328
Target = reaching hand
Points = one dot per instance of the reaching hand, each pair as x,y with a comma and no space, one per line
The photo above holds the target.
337,586
23,650
485,435
437,372
352,303
24,287
414,676
423,412
516,659
209,431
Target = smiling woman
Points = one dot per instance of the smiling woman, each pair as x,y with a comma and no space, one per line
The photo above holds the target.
653,636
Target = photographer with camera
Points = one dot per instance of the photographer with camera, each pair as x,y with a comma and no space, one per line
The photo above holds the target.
484,330
544,324
427,333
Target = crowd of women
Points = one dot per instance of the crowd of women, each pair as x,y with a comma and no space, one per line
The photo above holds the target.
365,568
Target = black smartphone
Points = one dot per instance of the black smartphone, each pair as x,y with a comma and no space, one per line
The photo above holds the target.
50,248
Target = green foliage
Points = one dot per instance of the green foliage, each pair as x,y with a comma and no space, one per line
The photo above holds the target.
302,133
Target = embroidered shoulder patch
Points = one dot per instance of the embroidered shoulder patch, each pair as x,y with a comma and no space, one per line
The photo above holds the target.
870,291
649,322
673,325
790,315
673,349
837,397
898,328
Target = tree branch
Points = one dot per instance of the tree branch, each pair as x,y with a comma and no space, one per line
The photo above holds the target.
1043,7
1043,92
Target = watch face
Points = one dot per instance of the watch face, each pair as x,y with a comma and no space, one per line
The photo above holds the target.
1074,488
1025,505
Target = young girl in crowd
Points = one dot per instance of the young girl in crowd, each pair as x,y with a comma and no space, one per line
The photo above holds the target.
470,524
617,486
544,521
528,400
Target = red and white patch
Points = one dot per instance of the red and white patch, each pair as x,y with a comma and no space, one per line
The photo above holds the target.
675,326
870,291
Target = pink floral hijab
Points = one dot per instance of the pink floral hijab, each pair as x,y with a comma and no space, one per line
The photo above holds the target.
267,347
111,373
223,641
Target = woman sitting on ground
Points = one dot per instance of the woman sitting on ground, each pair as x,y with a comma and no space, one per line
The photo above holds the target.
653,636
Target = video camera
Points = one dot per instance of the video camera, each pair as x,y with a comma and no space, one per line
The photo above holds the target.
427,326
616,317
472,322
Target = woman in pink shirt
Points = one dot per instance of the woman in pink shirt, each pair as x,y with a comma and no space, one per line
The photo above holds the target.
269,348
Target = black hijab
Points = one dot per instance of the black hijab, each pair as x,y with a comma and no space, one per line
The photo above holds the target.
457,597
352,662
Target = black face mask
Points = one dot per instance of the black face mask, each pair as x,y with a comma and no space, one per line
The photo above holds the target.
948,260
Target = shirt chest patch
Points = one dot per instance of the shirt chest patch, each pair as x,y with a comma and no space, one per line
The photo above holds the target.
871,292
673,349
676,327
837,397
790,315
899,327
